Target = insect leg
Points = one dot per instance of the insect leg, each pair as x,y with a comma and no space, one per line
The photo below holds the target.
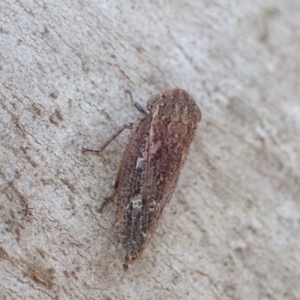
138,106
110,195
114,188
107,142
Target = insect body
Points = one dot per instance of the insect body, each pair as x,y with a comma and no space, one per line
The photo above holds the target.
148,171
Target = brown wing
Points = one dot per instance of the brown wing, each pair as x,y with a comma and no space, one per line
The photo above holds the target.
172,130
130,223
154,156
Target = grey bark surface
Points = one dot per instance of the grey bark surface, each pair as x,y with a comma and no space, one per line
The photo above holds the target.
232,228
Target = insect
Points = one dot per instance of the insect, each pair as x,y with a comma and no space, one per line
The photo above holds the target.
148,171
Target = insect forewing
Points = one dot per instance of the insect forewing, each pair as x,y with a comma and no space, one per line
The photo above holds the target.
152,161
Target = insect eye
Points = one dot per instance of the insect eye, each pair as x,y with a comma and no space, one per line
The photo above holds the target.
153,100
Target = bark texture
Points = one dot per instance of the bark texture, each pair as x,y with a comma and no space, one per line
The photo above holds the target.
232,228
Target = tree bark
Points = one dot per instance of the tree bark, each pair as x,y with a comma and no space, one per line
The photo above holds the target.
232,227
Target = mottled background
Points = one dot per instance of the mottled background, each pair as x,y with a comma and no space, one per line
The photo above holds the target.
232,229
